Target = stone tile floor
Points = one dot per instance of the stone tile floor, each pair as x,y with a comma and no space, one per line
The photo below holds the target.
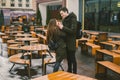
85,64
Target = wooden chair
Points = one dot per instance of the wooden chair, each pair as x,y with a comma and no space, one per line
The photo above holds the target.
34,35
3,28
32,28
16,59
50,60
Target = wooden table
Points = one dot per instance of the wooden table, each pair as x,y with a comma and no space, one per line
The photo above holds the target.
13,32
26,40
23,35
117,43
114,37
62,75
116,51
40,36
111,56
13,49
2,34
37,47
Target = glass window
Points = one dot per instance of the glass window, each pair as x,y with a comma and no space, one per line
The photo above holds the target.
3,0
19,0
27,0
20,5
12,0
3,4
102,15
27,5
12,4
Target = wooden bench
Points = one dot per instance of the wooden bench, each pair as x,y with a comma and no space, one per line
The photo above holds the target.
62,75
116,51
92,48
16,59
10,42
34,35
104,54
103,66
42,38
5,38
107,45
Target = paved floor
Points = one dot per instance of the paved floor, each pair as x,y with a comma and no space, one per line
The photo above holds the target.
85,64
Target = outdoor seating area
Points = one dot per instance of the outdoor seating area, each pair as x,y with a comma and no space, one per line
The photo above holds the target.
23,48
59,40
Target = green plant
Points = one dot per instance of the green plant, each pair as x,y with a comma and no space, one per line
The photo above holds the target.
38,17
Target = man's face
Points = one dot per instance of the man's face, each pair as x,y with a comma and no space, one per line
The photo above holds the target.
63,14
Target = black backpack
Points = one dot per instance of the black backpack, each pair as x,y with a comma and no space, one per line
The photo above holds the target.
53,45
79,30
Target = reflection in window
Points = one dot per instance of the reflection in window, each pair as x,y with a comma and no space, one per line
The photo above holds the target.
102,15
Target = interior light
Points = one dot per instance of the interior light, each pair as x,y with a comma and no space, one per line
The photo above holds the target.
118,4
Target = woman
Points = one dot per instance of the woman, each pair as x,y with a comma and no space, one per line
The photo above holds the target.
55,34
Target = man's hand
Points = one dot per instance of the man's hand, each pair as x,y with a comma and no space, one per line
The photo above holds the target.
60,25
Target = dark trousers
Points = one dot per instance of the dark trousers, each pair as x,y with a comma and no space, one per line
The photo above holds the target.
72,65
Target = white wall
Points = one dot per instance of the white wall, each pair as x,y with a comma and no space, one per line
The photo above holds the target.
43,13
73,6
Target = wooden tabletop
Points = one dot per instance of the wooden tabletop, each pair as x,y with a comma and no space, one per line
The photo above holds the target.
62,75
36,47
91,32
110,65
26,39
41,36
116,51
23,35
115,36
115,42
8,32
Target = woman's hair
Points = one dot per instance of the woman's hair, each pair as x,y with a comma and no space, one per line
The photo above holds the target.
52,29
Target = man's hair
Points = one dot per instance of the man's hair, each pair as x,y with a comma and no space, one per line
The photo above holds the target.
64,9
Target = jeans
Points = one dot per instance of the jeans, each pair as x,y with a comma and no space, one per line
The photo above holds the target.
56,66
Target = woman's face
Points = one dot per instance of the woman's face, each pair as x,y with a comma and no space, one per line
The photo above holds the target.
58,22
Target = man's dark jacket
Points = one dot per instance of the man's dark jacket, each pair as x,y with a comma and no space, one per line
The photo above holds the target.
70,26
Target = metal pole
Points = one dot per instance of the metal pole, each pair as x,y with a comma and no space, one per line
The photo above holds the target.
83,14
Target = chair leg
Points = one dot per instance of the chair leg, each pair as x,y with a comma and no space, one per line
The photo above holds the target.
45,67
28,68
1,49
61,67
49,53
12,67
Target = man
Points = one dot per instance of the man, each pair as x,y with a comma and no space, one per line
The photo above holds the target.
69,26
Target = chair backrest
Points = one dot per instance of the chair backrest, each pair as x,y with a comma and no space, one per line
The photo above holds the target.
2,28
